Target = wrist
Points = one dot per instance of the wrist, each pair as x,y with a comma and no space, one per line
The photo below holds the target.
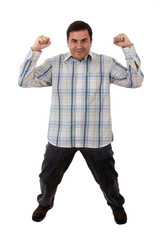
128,46
35,49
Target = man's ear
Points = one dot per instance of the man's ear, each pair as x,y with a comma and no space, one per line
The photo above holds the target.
91,42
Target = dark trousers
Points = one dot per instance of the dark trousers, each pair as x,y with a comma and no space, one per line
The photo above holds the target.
99,160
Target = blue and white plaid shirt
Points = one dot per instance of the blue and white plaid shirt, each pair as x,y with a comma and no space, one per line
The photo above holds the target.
80,109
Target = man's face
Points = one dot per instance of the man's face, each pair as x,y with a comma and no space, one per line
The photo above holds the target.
79,44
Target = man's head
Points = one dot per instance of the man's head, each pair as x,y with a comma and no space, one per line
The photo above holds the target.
79,39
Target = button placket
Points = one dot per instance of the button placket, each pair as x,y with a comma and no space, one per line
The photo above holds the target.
79,99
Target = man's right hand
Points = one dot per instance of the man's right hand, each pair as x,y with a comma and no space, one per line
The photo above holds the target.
40,43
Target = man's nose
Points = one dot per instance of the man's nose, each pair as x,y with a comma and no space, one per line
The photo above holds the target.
79,45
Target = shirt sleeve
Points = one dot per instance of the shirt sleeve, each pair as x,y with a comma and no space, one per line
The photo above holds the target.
130,76
32,76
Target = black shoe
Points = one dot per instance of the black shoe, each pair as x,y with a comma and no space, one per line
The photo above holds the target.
40,213
120,216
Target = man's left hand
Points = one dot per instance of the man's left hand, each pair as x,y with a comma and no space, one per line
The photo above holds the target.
122,40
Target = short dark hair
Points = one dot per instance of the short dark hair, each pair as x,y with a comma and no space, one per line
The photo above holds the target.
77,26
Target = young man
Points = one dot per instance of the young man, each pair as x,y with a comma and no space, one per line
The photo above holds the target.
80,111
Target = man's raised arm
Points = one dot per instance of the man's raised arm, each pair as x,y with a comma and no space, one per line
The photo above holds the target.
131,76
32,76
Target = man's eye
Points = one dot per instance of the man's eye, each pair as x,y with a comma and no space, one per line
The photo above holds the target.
84,40
74,41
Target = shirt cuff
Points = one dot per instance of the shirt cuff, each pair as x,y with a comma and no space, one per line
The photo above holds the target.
129,52
33,54
132,57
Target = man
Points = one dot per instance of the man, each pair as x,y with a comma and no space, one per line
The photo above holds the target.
80,111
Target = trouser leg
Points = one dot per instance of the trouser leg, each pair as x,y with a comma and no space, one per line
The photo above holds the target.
101,164
56,161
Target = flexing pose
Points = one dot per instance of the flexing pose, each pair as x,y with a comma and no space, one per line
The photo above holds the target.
80,111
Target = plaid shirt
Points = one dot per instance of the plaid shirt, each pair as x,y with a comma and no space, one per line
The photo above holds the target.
80,108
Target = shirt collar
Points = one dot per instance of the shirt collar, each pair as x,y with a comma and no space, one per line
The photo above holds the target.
69,55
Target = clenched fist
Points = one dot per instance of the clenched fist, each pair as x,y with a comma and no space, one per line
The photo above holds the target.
122,41
40,43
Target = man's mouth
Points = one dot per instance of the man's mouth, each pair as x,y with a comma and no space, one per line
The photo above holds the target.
79,51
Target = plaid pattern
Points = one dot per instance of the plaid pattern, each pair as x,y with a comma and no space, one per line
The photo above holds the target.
80,109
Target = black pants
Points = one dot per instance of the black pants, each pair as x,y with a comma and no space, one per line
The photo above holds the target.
99,160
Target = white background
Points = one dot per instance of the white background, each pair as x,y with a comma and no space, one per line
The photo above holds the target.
80,210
